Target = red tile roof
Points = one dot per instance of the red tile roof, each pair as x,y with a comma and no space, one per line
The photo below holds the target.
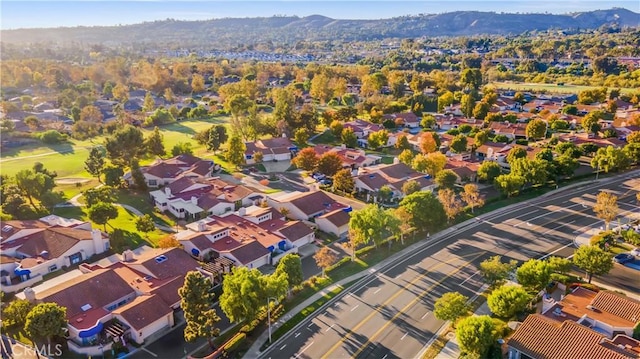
338,217
143,311
541,337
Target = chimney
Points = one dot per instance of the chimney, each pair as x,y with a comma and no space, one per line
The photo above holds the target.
29,294
167,191
99,243
396,160
128,255
202,226
242,212
194,200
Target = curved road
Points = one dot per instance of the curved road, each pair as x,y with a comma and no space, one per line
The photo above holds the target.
388,314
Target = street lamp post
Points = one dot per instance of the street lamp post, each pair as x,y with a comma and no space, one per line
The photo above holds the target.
269,314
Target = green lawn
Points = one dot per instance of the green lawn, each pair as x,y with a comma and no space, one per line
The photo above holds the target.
68,159
535,87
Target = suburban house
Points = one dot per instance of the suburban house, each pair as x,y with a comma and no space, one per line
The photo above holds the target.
511,130
450,122
273,149
361,128
491,151
243,242
304,206
541,337
164,172
371,179
126,298
464,166
193,199
335,222
296,232
351,158
404,119
33,248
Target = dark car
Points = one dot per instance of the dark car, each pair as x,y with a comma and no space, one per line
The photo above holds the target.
623,258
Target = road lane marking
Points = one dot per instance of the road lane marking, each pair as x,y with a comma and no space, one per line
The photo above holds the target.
303,349
150,352
282,347
398,293
354,308
385,356
466,280
297,334
562,225
376,292
405,334
557,250
425,314
326,330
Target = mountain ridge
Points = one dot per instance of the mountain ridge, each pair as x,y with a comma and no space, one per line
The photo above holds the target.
290,29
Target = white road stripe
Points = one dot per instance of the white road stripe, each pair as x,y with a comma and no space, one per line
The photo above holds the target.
354,308
297,335
326,330
385,356
150,352
376,292
282,347
465,281
303,349
553,229
405,334
556,251
425,314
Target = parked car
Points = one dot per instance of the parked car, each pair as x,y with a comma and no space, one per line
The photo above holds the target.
635,252
318,176
326,182
623,258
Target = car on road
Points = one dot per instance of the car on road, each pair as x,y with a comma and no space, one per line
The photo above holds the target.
623,258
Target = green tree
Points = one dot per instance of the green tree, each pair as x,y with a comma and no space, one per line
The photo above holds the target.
101,213
481,110
242,294
235,154
154,143
403,143
535,172
495,272
459,143
15,314
515,153
476,334
451,306
145,224
406,157
149,103
509,184
95,195
536,129
444,100
428,121
113,175
606,207
349,138
301,136
291,266
633,137
32,122
632,152
426,212
197,301
467,104
591,122
46,320
33,185
410,187
610,159
451,204
534,274
371,223
378,139
336,128
593,260
329,164
124,146
343,181
94,164
471,78
446,179
325,257
508,300
197,83
306,159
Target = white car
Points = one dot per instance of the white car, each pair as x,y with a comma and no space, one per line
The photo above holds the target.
635,252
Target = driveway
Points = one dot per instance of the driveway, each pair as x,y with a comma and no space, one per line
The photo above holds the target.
273,167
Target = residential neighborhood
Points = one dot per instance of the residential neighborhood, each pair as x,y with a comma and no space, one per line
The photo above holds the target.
440,197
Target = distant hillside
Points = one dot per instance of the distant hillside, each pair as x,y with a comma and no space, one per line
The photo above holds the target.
279,29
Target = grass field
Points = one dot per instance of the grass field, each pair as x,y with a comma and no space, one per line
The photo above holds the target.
536,87
68,159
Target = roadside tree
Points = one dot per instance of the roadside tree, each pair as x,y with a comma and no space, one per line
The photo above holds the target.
197,301
606,207
451,306
471,196
593,260
306,159
508,300
495,272
325,257
476,334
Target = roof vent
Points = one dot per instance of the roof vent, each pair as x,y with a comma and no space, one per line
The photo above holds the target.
590,307
7,228
160,259
86,307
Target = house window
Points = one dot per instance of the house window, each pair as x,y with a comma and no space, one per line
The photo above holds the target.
112,307
121,303
53,268
153,182
75,258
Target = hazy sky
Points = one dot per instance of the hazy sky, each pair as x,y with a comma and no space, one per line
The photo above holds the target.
27,13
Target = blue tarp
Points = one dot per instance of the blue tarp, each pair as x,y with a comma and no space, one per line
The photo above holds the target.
91,331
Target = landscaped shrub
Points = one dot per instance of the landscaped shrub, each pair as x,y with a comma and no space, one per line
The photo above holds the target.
234,342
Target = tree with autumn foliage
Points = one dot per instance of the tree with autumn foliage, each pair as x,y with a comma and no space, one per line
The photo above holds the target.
306,159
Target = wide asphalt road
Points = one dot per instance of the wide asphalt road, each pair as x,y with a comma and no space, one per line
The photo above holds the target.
388,314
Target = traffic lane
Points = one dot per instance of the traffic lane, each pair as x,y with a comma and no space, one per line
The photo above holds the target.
358,336
416,325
